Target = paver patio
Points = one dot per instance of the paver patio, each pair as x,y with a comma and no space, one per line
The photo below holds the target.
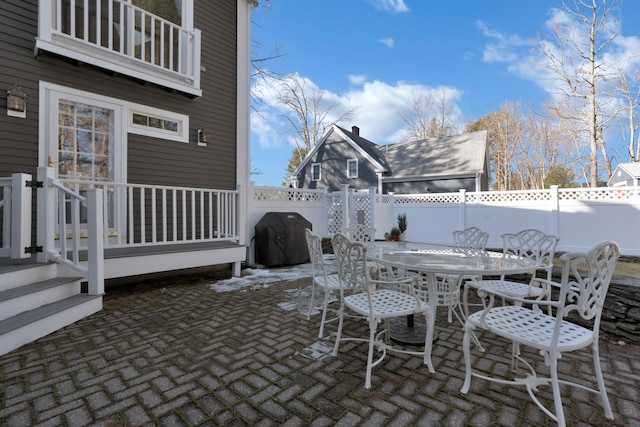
178,353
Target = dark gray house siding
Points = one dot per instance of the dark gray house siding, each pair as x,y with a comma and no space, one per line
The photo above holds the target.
150,160
333,156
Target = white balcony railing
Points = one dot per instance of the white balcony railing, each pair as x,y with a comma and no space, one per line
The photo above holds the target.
118,36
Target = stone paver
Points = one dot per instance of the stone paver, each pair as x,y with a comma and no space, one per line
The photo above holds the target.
184,354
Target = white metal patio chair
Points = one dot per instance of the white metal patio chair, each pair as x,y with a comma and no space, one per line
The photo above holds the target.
377,301
534,246
359,233
470,238
329,283
581,292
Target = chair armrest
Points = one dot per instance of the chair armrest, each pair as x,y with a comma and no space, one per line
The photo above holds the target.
486,292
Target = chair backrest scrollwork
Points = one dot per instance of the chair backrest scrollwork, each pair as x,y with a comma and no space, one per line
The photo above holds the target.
586,279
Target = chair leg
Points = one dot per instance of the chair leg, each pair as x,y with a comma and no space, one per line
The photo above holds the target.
313,293
430,318
603,391
324,313
372,336
339,333
466,349
555,385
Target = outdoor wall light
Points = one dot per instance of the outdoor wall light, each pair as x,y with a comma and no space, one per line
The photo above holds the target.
16,102
204,136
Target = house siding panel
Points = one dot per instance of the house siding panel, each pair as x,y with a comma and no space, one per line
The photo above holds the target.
333,156
150,160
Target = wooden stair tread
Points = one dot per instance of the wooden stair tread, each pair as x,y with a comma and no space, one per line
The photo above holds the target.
9,294
44,311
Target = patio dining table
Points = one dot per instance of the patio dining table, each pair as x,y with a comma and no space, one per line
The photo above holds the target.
432,260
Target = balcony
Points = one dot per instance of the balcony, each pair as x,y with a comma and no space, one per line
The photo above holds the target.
118,36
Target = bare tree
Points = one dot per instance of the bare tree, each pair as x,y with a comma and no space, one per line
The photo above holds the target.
575,59
427,117
546,147
630,93
504,137
308,113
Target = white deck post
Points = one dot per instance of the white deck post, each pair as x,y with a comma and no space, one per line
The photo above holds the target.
20,215
95,241
46,214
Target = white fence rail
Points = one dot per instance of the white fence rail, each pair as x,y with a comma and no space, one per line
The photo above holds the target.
579,217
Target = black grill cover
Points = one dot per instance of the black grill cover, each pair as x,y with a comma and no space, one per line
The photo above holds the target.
280,239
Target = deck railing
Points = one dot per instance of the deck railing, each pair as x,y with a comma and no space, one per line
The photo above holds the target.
145,215
55,200
119,36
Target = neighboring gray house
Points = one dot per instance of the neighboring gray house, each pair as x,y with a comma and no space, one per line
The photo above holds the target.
432,165
341,157
625,175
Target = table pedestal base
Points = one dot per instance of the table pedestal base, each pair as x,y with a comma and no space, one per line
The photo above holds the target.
407,332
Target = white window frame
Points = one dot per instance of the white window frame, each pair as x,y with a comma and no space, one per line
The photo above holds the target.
315,166
349,163
182,134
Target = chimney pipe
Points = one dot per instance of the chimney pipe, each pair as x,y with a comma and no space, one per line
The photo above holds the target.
355,130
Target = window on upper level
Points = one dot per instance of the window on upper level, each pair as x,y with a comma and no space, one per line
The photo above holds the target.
352,168
315,171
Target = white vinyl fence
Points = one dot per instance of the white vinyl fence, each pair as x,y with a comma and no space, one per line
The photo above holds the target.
580,217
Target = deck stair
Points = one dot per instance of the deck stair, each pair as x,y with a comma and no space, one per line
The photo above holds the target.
35,301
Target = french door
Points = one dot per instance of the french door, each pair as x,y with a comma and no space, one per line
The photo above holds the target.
84,142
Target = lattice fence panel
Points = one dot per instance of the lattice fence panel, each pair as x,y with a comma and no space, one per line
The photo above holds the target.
334,213
632,193
287,195
509,196
427,198
360,209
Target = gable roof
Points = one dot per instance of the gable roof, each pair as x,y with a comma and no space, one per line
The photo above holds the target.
633,168
446,156
366,148
371,149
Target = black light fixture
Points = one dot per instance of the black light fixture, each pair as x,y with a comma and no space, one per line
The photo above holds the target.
16,102
204,136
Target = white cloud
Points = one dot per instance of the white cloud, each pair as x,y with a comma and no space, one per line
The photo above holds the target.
504,48
357,79
392,6
379,107
389,42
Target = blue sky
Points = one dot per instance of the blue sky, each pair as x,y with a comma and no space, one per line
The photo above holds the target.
372,54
